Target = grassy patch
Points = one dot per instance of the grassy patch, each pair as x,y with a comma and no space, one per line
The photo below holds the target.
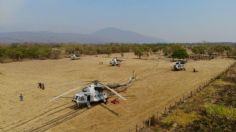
181,118
221,82
220,111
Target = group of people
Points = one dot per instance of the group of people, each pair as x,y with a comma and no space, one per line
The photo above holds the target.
40,85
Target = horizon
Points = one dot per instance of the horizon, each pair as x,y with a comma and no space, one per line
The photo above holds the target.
171,20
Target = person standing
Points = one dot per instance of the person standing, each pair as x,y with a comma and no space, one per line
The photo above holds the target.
21,97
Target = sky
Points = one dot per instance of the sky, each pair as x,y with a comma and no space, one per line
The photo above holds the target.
172,20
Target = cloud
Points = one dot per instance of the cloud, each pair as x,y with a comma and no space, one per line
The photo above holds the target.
8,10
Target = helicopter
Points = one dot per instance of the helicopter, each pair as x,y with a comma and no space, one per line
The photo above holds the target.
179,66
75,57
115,61
97,92
94,92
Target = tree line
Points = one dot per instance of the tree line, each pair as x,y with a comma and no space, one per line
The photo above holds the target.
17,51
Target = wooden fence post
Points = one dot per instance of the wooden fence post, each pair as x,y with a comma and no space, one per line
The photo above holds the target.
149,122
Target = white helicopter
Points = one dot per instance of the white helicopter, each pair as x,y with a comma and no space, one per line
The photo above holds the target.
115,61
97,92
179,65
75,57
94,92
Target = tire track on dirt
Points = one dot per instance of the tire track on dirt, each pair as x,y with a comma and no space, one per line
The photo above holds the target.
18,124
58,120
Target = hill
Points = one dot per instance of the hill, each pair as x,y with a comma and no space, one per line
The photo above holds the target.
106,35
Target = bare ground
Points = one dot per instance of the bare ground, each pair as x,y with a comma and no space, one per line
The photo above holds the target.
156,87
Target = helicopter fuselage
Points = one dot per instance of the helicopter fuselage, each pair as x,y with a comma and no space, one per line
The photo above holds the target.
179,66
90,94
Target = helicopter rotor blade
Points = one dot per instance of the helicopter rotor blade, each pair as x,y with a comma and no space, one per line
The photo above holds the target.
63,94
113,91
90,81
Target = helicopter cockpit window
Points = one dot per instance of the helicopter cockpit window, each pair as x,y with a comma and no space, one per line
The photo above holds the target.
81,98
99,89
76,97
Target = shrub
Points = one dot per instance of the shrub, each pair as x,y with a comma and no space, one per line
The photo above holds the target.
55,53
221,111
15,53
181,118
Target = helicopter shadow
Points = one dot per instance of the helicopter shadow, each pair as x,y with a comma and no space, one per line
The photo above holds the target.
110,110
74,107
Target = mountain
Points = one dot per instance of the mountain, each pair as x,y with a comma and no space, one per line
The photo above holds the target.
106,35
47,37
117,35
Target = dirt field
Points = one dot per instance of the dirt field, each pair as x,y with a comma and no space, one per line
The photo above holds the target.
156,87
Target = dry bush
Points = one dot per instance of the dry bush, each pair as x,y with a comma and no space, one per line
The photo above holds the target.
55,53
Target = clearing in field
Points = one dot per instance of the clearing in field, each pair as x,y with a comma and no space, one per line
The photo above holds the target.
156,87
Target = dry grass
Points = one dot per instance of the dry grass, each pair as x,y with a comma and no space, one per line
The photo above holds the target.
212,109
181,118
156,87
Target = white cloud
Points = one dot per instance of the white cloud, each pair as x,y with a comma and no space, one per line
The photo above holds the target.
8,9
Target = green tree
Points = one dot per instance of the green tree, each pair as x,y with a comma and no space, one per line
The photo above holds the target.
16,53
180,53
138,51
2,52
219,49
232,52
199,49
108,51
169,49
